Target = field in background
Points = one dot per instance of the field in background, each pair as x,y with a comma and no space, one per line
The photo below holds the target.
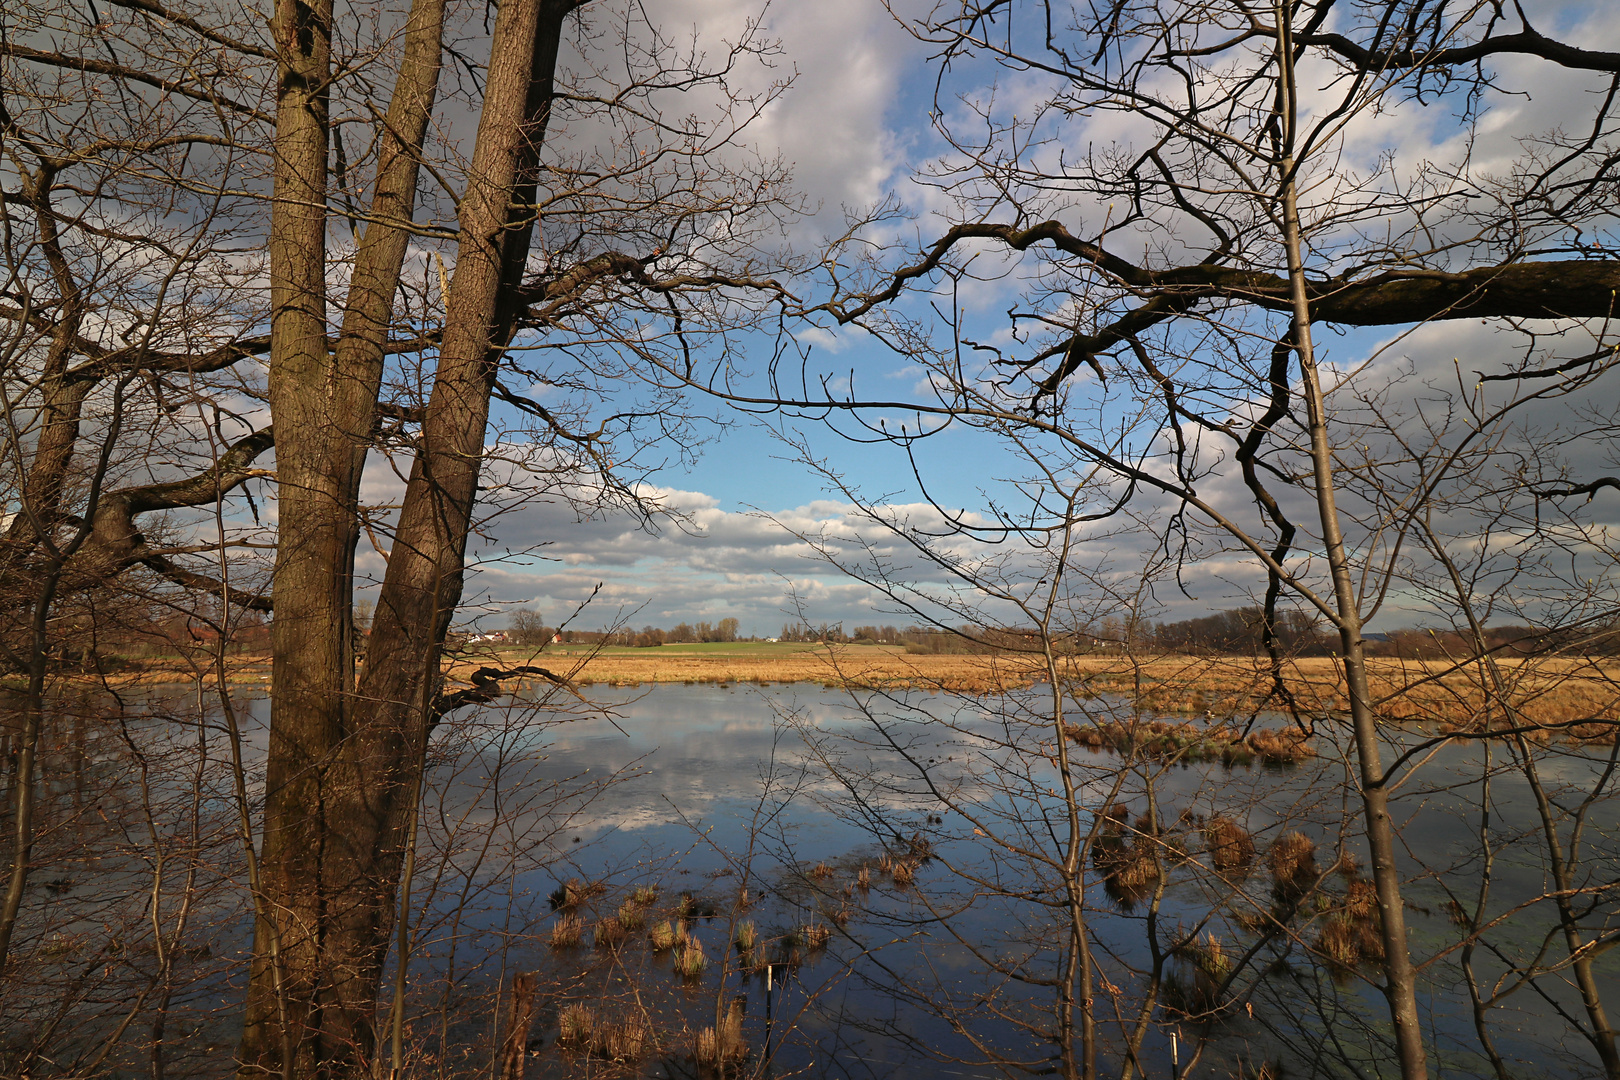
1579,695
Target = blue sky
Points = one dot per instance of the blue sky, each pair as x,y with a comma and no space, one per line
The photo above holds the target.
855,127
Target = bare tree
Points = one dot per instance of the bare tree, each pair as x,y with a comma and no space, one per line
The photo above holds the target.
1192,372
136,184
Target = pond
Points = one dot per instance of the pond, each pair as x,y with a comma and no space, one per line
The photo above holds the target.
880,884
790,792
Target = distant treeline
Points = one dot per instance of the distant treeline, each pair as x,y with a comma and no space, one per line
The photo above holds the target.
527,628
1238,631
1501,640
917,639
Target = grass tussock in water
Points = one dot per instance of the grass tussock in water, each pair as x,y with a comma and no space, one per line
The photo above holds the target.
1231,848
567,931
1127,859
689,958
581,1029
815,935
1186,741
666,935
1292,862
574,892
1350,928
610,933
718,1048
1194,987
632,916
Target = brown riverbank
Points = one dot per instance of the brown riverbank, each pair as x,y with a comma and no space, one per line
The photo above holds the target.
1579,694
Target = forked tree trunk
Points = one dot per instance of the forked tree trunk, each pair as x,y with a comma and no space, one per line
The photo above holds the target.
342,759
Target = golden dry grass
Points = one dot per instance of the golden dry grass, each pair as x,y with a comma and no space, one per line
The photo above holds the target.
836,666
1577,695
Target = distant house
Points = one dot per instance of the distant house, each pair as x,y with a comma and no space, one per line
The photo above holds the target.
497,637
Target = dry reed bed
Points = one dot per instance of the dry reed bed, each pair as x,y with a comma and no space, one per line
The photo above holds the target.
1573,695
1578,697
839,666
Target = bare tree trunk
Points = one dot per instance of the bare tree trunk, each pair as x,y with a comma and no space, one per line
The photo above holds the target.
309,634
326,403
1400,978
343,761
514,1046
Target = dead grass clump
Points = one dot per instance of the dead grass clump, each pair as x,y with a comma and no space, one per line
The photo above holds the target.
1161,740
1210,957
1194,987
1129,865
570,894
815,935
696,907
581,1029
1346,943
567,931
575,1023
1279,746
663,937
645,895
747,937
904,872
1230,845
689,958
822,872
632,916
623,1040
1361,900
754,959
610,933
863,880
717,1049
1350,931
1292,861
1594,733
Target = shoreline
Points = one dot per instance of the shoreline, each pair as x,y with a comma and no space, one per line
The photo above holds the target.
1580,695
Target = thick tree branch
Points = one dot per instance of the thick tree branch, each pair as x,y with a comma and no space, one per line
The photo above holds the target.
231,469
196,26
486,687
1563,289
104,67
173,571
1589,490
1526,42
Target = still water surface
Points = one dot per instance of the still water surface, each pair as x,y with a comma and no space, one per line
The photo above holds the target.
788,793
710,790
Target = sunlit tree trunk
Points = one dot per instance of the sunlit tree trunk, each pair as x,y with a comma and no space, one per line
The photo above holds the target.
343,759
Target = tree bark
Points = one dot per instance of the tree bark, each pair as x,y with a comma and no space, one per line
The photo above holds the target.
325,401
1400,978
343,759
